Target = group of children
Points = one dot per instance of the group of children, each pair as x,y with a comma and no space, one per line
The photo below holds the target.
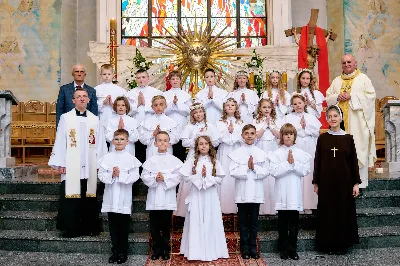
241,160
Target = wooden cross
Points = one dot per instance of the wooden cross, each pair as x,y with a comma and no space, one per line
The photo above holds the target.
312,24
334,151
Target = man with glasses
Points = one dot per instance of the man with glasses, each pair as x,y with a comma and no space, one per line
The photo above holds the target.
66,93
75,153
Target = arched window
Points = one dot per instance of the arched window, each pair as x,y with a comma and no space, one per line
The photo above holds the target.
143,20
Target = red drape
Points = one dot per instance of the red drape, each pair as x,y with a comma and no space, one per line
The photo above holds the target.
323,64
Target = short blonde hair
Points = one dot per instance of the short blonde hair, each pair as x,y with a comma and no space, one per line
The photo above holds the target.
287,129
158,97
106,66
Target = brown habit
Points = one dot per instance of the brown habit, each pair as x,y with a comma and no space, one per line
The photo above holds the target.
336,172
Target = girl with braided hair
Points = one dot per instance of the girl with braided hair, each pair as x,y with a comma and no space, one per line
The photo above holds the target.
203,235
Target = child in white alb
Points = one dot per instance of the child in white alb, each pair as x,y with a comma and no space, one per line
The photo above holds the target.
118,170
161,175
288,164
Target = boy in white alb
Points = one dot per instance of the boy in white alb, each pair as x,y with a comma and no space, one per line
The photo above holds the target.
161,175
178,104
249,166
106,94
140,101
118,170
288,165
212,97
150,127
75,154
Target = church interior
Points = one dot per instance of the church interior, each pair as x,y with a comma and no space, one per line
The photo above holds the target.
41,40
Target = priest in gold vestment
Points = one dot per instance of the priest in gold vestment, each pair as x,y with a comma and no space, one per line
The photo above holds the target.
355,95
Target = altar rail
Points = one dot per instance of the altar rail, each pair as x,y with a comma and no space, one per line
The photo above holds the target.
33,130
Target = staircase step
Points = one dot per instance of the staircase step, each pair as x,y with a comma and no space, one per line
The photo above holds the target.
392,183
39,202
53,187
378,199
46,221
50,241
39,220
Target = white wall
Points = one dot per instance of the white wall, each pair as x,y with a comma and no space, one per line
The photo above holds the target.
301,12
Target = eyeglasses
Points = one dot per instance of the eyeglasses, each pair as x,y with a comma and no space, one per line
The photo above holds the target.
119,139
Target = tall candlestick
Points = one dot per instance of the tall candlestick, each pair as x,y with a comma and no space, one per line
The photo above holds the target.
113,47
284,78
251,79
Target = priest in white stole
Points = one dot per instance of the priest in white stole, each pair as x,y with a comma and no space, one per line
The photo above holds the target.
75,153
354,93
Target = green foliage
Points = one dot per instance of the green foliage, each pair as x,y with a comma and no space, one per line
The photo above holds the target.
139,63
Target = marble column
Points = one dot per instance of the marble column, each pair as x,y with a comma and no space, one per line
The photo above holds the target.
7,99
392,131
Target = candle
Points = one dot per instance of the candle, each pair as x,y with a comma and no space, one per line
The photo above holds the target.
251,80
113,24
284,78
171,67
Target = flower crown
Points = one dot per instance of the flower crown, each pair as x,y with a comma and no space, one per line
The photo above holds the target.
241,73
196,106
280,72
301,70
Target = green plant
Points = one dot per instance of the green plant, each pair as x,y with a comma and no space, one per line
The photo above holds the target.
139,63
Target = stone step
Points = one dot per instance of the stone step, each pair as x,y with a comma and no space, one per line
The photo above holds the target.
50,241
40,202
40,221
378,199
53,188
46,221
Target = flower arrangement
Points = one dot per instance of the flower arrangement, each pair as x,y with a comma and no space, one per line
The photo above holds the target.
255,68
139,62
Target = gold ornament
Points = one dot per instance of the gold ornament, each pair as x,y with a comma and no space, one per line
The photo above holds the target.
193,51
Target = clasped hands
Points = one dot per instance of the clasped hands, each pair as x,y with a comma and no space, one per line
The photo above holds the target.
345,96
159,177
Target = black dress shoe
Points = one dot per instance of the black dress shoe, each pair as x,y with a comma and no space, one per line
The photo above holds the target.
165,255
122,258
155,256
245,255
293,255
113,258
284,255
254,255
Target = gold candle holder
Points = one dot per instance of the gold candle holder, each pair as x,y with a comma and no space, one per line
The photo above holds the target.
113,48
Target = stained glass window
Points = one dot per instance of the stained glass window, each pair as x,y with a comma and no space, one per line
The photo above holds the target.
143,21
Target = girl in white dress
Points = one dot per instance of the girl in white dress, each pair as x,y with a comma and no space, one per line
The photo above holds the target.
277,93
267,126
198,126
203,235
307,85
307,127
246,98
230,128
121,120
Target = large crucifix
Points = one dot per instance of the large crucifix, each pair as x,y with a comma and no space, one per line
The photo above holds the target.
312,49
